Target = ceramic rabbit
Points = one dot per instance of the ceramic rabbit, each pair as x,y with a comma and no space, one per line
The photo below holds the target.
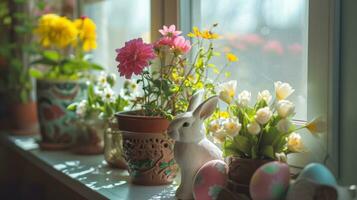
192,149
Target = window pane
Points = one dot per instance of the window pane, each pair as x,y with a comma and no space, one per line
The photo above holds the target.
117,22
270,39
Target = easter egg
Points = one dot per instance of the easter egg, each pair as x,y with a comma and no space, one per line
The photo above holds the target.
270,181
210,179
318,173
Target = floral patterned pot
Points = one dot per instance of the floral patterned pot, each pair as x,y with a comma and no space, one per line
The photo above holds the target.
24,118
113,147
240,172
147,149
89,140
57,124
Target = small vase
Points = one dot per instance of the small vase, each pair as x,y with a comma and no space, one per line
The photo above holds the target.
113,147
90,138
240,173
24,118
147,149
57,124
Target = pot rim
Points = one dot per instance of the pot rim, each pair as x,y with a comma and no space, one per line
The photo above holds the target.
131,114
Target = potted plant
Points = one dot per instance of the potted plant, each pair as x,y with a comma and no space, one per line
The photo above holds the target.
168,80
60,70
15,81
95,115
254,135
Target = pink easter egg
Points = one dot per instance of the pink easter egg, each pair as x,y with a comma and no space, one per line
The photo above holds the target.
210,179
270,181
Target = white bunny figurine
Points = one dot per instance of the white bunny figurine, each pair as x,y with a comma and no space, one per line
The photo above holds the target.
192,149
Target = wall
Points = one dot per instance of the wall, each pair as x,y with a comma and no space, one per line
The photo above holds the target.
348,89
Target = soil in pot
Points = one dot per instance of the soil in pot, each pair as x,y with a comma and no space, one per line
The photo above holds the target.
240,173
58,128
147,149
24,119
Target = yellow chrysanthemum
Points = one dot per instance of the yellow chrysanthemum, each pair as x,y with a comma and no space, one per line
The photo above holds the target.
57,31
209,35
86,33
231,57
195,32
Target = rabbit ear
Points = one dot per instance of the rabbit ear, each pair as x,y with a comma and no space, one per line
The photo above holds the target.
196,99
206,108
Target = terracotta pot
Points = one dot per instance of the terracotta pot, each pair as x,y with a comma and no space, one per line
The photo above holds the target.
24,118
89,140
113,147
147,149
240,172
58,128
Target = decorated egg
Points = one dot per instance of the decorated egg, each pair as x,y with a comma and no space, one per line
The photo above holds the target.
270,181
318,173
210,179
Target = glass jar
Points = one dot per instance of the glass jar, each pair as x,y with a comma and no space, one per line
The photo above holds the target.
113,146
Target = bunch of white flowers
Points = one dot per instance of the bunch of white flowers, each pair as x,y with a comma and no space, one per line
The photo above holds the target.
221,128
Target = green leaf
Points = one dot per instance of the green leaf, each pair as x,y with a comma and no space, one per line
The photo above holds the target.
51,55
36,73
242,143
72,107
268,151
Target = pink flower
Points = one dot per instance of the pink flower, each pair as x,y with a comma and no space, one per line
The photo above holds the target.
134,57
181,44
274,46
164,41
170,32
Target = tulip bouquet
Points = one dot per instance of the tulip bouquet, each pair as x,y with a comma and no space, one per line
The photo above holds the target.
65,44
262,131
167,76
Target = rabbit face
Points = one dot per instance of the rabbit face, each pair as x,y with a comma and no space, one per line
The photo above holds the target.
188,127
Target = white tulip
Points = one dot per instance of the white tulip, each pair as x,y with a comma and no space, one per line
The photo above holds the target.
232,126
214,126
219,136
227,91
283,90
318,125
254,128
285,108
244,98
284,125
82,108
263,115
264,95
295,143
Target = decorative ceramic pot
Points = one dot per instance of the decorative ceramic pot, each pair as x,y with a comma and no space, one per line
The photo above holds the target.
147,148
90,138
58,128
113,147
240,173
24,118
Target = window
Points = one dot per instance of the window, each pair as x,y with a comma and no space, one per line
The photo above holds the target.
270,39
114,30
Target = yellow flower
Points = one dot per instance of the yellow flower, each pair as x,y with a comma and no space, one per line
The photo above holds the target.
231,57
86,33
195,32
295,143
209,35
53,30
223,114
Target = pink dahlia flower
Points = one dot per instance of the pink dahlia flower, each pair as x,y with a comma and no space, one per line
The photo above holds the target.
170,31
164,41
134,57
181,44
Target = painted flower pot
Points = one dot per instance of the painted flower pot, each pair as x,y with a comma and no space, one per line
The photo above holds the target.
240,173
113,147
147,149
90,138
24,118
57,124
